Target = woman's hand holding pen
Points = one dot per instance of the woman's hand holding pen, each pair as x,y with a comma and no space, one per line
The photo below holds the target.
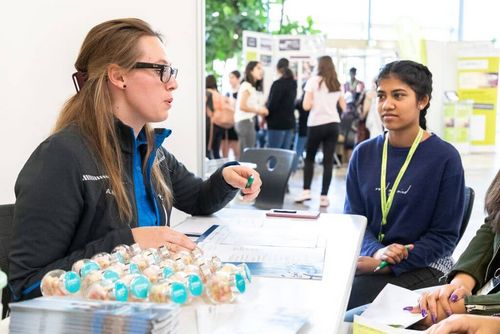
244,178
445,300
394,253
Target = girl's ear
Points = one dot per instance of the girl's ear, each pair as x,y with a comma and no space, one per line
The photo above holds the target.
116,76
423,102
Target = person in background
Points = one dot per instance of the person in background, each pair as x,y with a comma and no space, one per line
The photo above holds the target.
348,127
301,130
373,121
281,106
410,186
473,281
355,86
322,92
214,132
103,177
230,137
250,103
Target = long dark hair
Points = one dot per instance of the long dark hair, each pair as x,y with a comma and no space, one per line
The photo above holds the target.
326,70
211,82
415,75
258,84
283,67
492,203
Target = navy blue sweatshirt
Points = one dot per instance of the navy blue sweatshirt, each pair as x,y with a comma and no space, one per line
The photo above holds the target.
427,208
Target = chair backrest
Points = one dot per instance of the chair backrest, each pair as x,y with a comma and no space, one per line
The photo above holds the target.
468,204
274,166
6,216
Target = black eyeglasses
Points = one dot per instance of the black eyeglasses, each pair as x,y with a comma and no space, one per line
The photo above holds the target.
166,71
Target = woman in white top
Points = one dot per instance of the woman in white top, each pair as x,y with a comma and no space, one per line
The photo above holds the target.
322,93
250,103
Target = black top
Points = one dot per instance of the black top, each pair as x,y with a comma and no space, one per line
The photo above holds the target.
281,104
303,115
65,210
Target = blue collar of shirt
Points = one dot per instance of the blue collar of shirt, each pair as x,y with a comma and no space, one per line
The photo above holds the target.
160,136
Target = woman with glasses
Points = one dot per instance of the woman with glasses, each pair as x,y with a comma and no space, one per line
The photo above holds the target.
103,178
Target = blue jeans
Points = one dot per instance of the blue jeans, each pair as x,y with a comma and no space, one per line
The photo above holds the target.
246,134
349,315
279,139
300,144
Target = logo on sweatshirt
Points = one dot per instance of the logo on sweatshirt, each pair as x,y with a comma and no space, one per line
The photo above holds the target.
400,191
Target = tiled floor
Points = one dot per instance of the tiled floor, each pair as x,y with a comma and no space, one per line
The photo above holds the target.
479,172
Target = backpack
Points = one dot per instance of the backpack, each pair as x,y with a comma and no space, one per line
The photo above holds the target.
223,115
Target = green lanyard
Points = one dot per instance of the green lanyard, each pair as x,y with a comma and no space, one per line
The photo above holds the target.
385,202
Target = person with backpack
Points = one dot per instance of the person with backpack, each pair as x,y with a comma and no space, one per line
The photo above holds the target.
220,117
230,138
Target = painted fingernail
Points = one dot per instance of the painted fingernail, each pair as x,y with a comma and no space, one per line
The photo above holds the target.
424,313
433,317
408,308
454,298
448,313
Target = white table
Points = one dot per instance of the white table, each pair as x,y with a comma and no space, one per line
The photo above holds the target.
324,300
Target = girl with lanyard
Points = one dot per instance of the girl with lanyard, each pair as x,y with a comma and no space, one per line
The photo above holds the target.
409,184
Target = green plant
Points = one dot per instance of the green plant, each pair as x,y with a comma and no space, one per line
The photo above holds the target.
225,21
295,28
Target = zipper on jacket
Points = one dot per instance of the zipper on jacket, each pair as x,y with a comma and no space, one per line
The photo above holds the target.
484,308
132,165
489,264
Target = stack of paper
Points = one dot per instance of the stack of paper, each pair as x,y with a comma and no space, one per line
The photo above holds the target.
386,314
294,252
67,315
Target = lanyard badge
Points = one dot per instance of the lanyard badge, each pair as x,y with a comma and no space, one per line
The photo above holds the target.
386,203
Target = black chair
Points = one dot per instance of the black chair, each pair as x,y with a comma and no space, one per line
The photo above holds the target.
6,216
468,204
274,166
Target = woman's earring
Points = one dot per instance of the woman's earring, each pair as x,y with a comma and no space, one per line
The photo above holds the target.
124,86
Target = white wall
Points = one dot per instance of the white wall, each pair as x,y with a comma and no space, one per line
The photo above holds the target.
442,62
39,42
